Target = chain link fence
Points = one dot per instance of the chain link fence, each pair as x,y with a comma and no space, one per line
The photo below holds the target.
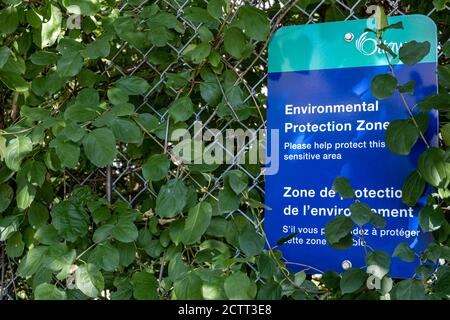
124,179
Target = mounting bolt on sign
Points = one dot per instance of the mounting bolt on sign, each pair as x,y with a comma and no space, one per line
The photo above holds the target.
349,36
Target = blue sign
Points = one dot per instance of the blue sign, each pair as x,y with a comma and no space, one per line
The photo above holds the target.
330,125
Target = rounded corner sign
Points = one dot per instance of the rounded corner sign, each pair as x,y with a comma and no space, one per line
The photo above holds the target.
326,124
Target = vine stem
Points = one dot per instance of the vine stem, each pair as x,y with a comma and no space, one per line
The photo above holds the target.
161,271
85,251
408,108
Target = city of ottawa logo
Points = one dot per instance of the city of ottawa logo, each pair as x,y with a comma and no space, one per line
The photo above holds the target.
367,44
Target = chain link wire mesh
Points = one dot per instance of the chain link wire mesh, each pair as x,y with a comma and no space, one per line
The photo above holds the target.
124,179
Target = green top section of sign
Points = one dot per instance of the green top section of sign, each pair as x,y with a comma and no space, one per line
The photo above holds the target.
345,44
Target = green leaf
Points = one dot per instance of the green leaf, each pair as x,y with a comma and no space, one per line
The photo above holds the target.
299,278
6,196
159,35
266,266
436,251
17,149
117,96
181,109
383,86
239,287
270,291
195,14
234,42
331,279
217,8
15,245
156,167
407,87
105,256
431,219
2,156
14,81
32,261
338,228
405,253
125,232
440,4
444,76
445,131
412,52
25,194
197,53
228,200
72,132
69,65
413,189
432,166
361,213
100,147
352,280
67,152
98,49
101,214
46,291
283,240
47,85
171,198
177,268
89,280
205,34
237,180
8,225
188,287
446,49
102,232
255,22
10,20
145,286
46,234
210,92
133,85
37,215
33,172
378,263
85,106
439,101
424,271
44,58
5,53
342,186
71,221
250,242
401,136
127,253
178,80
126,131
35,114
442,285
124,291
408,289
197,222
